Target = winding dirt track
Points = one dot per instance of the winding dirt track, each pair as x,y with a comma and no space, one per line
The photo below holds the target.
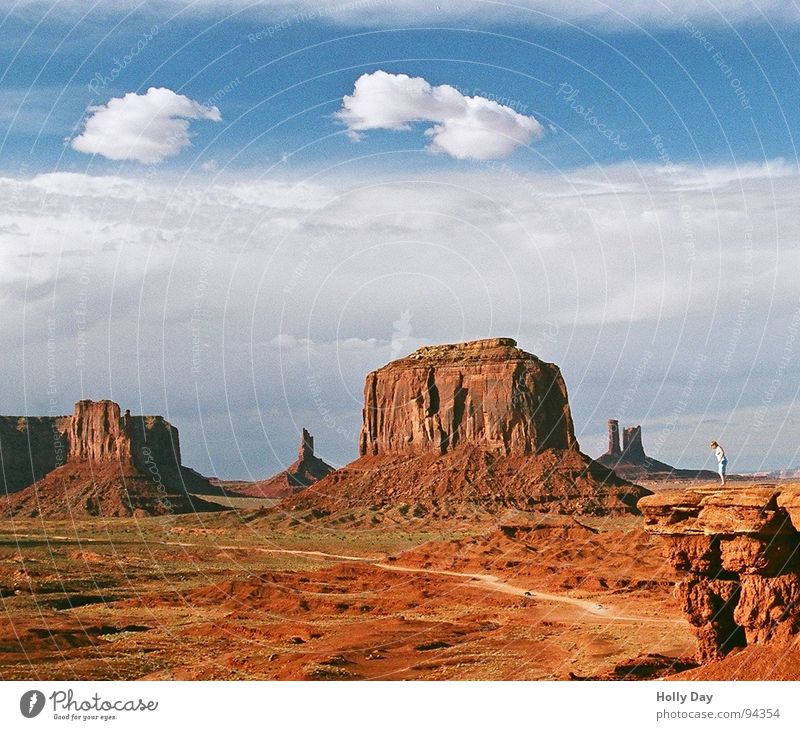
485,581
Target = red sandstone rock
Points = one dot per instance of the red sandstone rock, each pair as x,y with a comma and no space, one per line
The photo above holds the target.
104,490
97,434
769,608
697,554
709,606
115,465
632,446
702,599
613,438
560,481
714,511
307,470
479,423
745,554
762,662
789,501
30,447
673,512
751,510
487,393
742,553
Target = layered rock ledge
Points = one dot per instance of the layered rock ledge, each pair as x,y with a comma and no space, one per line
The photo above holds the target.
737,550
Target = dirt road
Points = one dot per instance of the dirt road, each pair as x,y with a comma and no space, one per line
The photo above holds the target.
486,581
483,580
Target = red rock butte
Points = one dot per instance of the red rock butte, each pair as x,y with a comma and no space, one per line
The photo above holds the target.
480,422
488,393
97,462
306,470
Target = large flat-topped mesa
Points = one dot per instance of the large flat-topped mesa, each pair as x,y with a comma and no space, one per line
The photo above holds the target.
488,393
460,351
475,425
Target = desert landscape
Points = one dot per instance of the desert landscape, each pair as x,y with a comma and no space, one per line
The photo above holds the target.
471,539
448,352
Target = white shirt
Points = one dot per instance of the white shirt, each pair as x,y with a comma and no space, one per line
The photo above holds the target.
720,453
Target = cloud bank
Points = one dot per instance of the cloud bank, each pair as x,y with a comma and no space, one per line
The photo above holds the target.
464,127
603,13
244,309
143,127
614,14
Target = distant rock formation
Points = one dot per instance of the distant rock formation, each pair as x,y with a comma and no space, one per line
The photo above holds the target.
631,462
738,552
632,447
97,462
304,472
613,439
30,447
775,474
477,422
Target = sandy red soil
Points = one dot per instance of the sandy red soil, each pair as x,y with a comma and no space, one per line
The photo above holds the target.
218,597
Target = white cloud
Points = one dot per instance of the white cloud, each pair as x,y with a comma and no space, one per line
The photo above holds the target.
143,127
288,342
465,127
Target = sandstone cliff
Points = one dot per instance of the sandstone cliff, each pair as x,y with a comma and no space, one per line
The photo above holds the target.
104,464
738,552
487,393
481,423
97,434
30,447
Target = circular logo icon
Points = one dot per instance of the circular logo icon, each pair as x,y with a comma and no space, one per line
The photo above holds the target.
31,703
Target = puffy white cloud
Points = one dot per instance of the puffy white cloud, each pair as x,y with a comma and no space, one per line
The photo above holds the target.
143,127
465,127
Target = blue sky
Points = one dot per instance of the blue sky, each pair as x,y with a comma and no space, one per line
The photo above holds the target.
244,269
288,85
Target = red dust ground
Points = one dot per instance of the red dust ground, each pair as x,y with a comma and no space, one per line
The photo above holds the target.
262,595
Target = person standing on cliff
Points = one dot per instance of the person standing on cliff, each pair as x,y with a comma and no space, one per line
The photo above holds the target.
722,460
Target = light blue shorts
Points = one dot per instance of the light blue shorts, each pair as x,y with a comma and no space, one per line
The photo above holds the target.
723,465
